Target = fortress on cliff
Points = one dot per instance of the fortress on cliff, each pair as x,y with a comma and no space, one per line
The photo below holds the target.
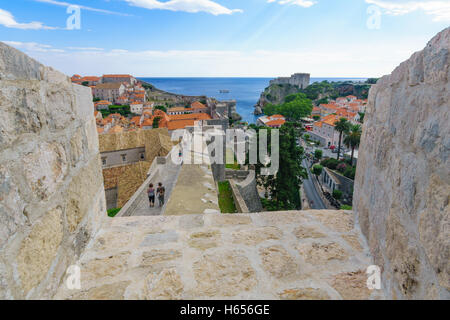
300,80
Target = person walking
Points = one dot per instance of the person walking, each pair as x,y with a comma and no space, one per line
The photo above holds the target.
151,195
161,191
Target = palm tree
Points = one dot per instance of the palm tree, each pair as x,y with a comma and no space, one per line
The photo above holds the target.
353,139
342,126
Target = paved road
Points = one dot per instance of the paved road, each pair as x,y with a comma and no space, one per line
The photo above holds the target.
311,192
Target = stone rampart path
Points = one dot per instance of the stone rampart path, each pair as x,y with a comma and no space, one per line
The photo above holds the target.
168,175
276,255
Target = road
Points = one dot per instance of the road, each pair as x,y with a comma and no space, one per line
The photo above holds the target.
311,192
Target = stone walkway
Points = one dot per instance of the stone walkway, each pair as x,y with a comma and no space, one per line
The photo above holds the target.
276,255
168,175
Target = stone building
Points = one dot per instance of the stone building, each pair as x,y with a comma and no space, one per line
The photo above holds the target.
118,78
126,158
108,91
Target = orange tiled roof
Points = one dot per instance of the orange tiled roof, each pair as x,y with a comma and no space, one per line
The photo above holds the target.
277,116
147,122
277,122
116,129
116,76
318,124
191,116
136,120
177,109
198,105
180,124
136,102
330,106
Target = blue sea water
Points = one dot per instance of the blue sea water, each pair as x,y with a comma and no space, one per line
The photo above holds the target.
246,91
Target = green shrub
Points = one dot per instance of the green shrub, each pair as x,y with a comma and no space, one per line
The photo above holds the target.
346,207
226,201
337,194
350,172
112,212
318,154
317,170
330,163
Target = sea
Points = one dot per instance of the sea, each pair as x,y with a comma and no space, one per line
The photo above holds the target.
246,91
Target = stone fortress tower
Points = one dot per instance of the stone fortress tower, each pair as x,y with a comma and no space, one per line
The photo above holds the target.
300,80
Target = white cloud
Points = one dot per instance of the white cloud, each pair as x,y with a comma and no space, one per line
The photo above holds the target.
8,20
346,60
66,4
85,48
301,3
192,6
440,10
33,47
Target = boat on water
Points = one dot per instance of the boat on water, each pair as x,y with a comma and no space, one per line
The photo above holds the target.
224,91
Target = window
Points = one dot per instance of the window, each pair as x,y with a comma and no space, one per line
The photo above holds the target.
142,156
124,157
104,161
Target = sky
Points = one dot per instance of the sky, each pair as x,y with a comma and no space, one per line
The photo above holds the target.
222,38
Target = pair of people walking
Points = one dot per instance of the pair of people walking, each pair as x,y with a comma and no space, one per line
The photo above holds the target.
159,192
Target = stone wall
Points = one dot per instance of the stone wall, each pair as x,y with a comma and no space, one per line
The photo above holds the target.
402,184
51,193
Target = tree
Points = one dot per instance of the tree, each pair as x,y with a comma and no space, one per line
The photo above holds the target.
156,122
317,170
295,107
163,108
342,126
283,187
353,139
316,117
318,154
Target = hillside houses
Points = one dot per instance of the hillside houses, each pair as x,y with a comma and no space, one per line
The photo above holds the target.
348,107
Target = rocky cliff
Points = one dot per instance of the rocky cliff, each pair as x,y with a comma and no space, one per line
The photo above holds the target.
51,190
402,183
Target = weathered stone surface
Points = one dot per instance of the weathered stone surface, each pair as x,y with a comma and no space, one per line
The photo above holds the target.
11,207
223,274
304,294
238,261
320,253
278,262
104,267
228,219
204,240
252,237
339,221
402,183
15,65
303,232
159,238
351,285
166,285
153,257
353,241
80,192
45,168
39,249
113,291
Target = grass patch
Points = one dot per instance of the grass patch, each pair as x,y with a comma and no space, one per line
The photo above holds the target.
235,166
226,201
112,212
345,207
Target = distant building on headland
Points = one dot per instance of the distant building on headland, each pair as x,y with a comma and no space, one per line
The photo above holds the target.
300,80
